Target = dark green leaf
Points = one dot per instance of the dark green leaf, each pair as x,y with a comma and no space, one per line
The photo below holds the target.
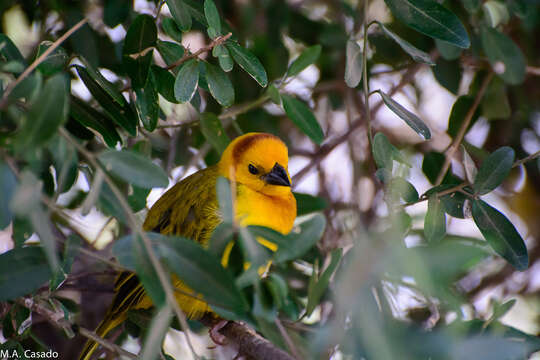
171,29
22,270
448,51
219,85
169,51
137,52
412,120
504,56
48,112
29,88
121,114
134,168
225,61
354,64
417,54
318,287
146,272
307,204
306,58
164,82
274,95
382,151
471,6
435,221
458,113
115,12
302,117
213,131
431,166
105,84
248,62
495,104
8,183
212,16
54,62
448,74
186,81
180,14
432,19
298,244
494,169
9,51
404,188
501,234
156,333
88,116
147,104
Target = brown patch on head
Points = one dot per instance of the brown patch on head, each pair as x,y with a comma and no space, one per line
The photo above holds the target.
245,143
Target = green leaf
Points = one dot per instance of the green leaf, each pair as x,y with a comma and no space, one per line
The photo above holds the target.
448,51
120,113
317,288
180,13
417,54
171,29
8,183
146,272
469,166
105,84
248,62
458,113
448,74
9,51
213,131
435,221
495,104
54,62
404,188
90,117
47,113
155,335
307,204
495,13
494,169
382,151
471,6
219,84
354,64
225,200
501,234
133,168
22,270
203,273
212,16
273,94
186,81
164,82
169,51
115,12
504,56
225,61
432,19
306,58
412,120
147,104
137,53
302,117
297,244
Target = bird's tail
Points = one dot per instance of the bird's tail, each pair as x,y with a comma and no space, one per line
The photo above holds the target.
110,321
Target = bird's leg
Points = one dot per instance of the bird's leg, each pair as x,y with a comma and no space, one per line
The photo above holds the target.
215,335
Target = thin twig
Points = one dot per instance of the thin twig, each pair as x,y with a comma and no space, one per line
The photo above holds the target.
449,154
39,60
287,338
164,278
365,80
528,158
217,41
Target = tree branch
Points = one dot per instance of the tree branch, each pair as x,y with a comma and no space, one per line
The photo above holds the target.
248,341
217,41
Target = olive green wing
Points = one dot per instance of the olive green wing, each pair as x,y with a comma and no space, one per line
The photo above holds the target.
188,209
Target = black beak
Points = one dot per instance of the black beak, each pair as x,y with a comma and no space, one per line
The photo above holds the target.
277,176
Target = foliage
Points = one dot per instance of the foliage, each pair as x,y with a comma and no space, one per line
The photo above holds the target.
91,123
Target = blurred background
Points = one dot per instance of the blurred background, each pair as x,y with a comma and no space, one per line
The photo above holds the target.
390,293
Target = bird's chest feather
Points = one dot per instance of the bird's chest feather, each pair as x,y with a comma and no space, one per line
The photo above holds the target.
255,208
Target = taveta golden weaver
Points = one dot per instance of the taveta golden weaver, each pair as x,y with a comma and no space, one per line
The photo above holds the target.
257,164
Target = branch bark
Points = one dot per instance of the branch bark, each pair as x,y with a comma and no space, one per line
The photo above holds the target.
247,341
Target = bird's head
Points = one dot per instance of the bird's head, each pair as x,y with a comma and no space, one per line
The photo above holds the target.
258,161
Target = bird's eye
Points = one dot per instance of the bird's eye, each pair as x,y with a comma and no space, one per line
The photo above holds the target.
252,169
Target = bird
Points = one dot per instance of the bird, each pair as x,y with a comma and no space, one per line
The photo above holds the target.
257,165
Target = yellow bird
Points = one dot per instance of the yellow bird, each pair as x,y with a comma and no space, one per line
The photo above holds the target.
257,164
